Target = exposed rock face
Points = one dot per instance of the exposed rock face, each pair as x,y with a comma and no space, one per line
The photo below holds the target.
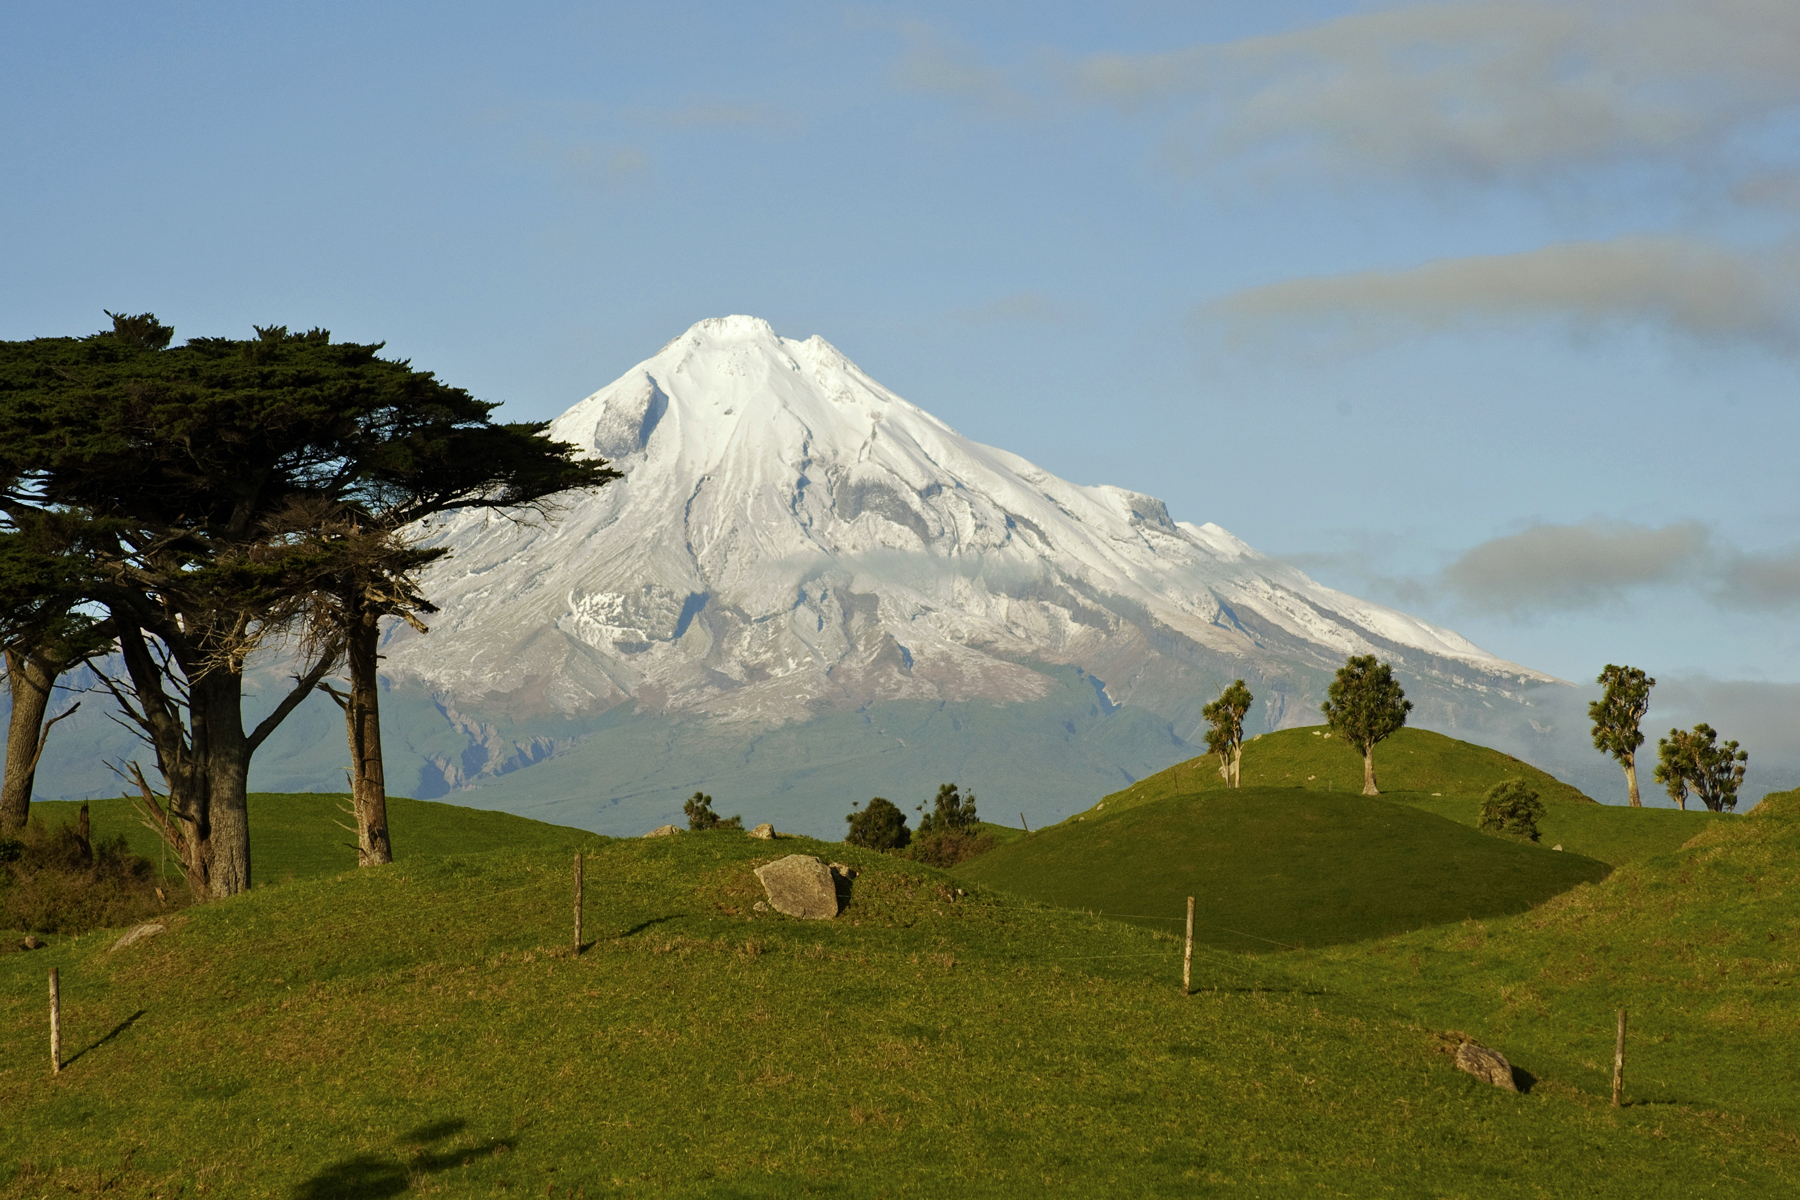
765,831
1489,1066
800,886
664,831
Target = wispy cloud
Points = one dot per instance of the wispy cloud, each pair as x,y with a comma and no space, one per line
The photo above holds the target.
1495,88
1562,567
1033,308
1684,285
1547,569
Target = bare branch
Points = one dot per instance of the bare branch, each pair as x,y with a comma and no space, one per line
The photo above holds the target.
44,736
302,688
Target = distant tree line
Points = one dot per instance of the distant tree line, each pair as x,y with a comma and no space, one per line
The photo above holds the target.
168,511
949,833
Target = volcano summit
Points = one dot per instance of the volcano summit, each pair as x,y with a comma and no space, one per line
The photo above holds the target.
805,591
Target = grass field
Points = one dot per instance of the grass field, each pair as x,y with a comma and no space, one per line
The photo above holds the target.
1274,867
298,835
425,1029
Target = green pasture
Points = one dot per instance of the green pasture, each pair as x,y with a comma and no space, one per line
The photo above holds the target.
300,835
425,1029
1279,867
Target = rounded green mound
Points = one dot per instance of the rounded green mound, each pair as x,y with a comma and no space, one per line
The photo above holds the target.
1272,867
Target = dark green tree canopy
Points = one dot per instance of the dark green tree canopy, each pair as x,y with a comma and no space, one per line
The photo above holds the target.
951,812
1695,762
1512,809
700,814
1619,712
880,826
1366,703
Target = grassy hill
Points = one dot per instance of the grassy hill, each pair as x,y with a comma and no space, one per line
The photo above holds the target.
1412,760
299,835
1280,867
424,1028
1433,772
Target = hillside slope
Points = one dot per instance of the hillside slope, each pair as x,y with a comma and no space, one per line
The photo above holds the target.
1279,867
1412,760
424,1028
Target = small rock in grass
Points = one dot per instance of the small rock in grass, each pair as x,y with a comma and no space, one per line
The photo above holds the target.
846,872
761,906
1489,1066
765,831
31,943
663,831
800,886
1558,846
138,933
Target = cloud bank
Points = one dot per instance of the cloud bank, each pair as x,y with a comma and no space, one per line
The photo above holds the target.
1494,89
1681,284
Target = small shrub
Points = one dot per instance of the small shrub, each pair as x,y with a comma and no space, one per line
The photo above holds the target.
1512,809
881,826
56,881
951,812
701,816
950,847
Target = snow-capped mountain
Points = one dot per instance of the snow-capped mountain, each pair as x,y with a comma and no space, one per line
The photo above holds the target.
791,537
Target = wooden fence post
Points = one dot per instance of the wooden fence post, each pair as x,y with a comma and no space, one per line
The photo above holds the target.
1619,1063
55,1025
578,902
1022,824
1187,955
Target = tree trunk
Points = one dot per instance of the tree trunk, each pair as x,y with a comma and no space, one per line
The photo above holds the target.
1237,765
227,767
180,759
1631,787
1369,771
362,717
29,679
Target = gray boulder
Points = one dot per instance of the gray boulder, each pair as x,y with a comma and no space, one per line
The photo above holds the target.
765,831
1489,1066
800,886
664,831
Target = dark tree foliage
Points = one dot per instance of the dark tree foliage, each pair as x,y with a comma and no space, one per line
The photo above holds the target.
1512,809
1366,705
1695,762
241,487
1226,737
950,832
1617,716
700,814
951,812
880,826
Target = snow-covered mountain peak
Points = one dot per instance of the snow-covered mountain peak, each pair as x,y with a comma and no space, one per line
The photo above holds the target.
789,534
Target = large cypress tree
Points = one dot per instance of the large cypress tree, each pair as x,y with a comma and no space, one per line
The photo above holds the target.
217,481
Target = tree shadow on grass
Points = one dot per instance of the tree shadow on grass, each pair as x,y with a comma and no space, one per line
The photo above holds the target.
643,925
121,1027
374,1176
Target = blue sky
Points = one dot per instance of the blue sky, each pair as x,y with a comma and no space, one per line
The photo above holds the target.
1487,310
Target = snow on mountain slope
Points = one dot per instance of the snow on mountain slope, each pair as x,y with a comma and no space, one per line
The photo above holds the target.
791,537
